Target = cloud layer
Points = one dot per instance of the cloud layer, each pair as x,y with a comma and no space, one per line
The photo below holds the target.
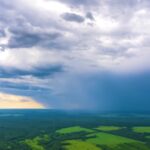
46,43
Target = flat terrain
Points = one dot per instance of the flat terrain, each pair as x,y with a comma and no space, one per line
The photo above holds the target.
59,130
141,129
109,139
80,145
34,144
73,129
108,128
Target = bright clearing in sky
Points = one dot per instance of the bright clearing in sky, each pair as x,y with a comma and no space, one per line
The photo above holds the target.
8,101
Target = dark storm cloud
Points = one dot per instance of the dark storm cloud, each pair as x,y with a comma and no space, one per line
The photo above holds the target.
25,31
26,39
129,92
37,72
73,17
107,92
20,87
17,80
103,45
90,16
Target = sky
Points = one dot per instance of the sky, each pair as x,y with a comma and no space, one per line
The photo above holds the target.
75,54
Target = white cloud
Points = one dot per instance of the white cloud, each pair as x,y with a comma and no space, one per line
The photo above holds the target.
25,59
117,37
140,23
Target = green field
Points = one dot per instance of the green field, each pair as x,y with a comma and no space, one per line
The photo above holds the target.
73,129
148,137
108,139
108,128
54,130
34,144
141,129
80,145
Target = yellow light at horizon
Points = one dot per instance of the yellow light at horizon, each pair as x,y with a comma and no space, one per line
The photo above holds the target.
9,101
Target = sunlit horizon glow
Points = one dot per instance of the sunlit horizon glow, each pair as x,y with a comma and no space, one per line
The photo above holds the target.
8,101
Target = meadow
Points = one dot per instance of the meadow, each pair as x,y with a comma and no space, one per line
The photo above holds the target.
73,129
59,130
141,129
108,128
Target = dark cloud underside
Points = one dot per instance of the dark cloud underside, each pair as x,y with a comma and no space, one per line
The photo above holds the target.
72,17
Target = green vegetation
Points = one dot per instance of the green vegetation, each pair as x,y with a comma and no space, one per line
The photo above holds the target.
59,130
46,138
128,146
148,137
141,129
80,145
73,129
108,139
34,144
108,128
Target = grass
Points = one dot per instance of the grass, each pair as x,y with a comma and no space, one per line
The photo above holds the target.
108,139
73,129
108,128
80,145
141,129
34,143
130,146
46,138
148,137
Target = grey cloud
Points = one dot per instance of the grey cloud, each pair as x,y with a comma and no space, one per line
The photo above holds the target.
48,31
40,72
26,31
123,10
123,4
73,17
26,37
2,33
2,47
84,3
27,40
7,14
90,16
23,41
21,87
